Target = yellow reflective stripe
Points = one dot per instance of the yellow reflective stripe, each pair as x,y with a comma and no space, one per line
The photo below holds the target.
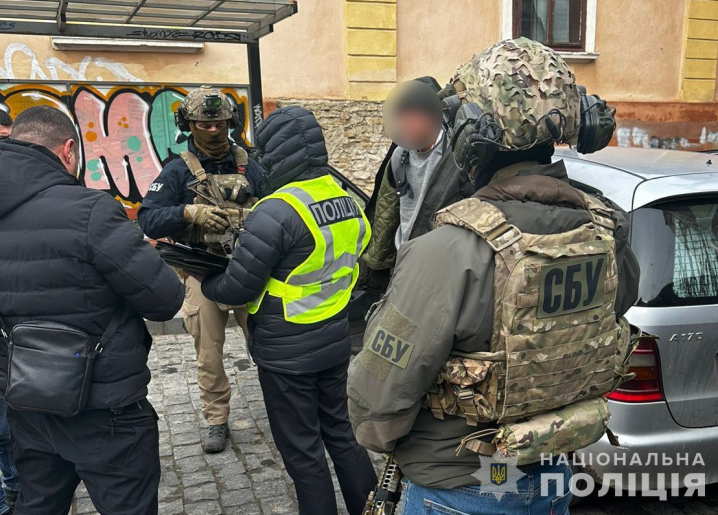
314,300
300,200
291,292
346,260
253,306
339,305
321,286
276,285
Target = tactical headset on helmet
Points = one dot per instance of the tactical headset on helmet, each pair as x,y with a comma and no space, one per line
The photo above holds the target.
206,104
598,123
518,94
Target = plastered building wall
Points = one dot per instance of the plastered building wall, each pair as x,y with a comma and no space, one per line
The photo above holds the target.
656,61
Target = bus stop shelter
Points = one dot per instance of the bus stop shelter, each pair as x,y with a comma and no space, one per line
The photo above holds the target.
200,21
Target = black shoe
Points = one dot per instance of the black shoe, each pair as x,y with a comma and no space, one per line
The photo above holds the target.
217,438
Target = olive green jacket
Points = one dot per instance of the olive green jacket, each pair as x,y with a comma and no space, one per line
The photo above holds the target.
448,185
441,298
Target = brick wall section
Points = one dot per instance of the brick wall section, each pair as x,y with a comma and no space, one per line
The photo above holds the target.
354,134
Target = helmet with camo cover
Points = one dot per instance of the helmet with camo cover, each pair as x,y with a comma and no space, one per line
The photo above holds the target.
207,104
528,89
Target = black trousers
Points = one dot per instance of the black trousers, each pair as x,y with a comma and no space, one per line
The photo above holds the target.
308,413
116,454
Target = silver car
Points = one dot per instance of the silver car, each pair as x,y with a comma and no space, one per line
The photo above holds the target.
666,418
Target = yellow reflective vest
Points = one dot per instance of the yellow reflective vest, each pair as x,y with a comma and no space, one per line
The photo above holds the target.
321,286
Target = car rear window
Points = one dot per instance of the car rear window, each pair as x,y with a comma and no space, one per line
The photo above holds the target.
676,244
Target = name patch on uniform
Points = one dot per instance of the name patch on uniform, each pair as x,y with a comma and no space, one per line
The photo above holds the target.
155,186
334,210
392,348
572,287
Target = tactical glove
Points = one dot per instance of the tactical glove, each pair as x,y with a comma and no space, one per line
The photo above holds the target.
210,217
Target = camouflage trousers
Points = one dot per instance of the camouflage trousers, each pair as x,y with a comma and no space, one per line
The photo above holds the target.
206,322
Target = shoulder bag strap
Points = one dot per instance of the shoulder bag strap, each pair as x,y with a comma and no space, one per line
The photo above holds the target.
104,339
111,329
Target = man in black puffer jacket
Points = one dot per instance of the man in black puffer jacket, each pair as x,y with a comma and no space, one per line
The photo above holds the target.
70,255
295,266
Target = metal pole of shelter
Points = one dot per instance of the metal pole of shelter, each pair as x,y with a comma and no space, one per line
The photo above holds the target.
255,83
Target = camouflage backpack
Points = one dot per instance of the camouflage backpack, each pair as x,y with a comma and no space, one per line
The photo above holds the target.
556,347
522,82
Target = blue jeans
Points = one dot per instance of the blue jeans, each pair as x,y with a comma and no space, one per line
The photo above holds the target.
10,479
470,500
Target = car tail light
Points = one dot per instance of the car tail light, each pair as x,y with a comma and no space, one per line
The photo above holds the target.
646,385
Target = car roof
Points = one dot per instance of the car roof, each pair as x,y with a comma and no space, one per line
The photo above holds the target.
634,177
648,163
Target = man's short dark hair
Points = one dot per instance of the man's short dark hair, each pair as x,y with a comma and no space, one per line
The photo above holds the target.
44,126
5,119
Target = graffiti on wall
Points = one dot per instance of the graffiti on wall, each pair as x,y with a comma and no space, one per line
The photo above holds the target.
19,55
127,131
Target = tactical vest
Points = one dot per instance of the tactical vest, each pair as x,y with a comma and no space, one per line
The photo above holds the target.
321,286
221,190
556,347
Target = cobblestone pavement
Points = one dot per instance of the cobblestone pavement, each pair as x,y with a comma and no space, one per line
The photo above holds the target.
248,477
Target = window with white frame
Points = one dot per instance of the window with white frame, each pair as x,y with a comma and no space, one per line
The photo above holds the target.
567,26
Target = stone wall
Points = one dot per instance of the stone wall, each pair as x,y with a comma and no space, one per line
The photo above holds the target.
354,133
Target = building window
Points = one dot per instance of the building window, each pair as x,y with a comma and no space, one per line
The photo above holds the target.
560,24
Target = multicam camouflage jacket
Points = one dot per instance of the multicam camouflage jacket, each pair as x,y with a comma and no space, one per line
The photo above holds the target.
440,304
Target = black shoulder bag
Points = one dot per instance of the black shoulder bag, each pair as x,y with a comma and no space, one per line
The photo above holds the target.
49,365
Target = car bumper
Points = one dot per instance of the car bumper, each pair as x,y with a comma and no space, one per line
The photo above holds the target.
649,438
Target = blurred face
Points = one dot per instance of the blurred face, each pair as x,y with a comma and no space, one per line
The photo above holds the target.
412,116
211,126
416,129
4,132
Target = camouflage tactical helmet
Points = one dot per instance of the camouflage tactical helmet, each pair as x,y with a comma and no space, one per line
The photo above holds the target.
205,104
528,88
